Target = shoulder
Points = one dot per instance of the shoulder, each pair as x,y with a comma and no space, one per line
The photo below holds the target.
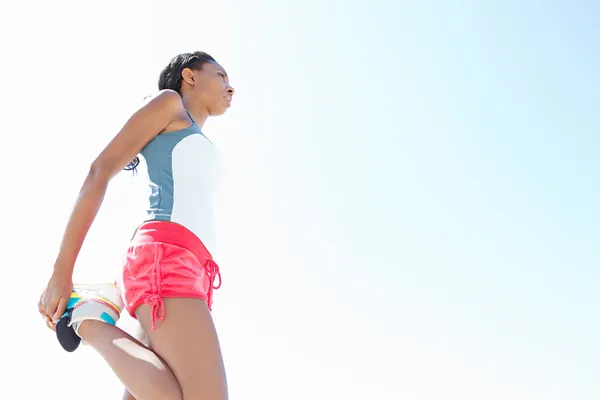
169,103
166,98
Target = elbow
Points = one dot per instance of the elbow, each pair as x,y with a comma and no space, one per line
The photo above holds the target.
98,174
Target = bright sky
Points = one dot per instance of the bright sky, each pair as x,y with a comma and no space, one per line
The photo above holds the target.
411,210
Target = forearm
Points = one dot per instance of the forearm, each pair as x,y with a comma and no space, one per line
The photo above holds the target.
86,208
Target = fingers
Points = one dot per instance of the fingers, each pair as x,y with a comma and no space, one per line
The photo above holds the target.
41,308
50,325
62,305
41,303
49,306
42,311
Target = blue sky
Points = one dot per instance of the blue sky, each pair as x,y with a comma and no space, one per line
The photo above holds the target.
445,158
411,208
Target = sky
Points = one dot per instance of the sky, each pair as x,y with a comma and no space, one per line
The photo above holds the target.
411,205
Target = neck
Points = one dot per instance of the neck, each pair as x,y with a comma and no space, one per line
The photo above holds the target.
198,111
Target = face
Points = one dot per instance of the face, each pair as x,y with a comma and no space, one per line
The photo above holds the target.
210,86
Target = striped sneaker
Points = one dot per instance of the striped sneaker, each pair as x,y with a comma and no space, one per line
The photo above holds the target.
101,302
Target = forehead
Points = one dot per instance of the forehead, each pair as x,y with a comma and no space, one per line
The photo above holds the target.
214,67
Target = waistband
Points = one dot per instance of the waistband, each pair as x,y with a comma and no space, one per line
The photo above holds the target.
171,233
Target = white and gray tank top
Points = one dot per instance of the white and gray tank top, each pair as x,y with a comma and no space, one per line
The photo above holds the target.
184,169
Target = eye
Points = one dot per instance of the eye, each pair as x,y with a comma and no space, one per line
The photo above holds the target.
222,75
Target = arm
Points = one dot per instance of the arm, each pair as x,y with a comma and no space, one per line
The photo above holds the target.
141,127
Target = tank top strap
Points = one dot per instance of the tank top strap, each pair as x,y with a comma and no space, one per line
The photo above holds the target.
190,115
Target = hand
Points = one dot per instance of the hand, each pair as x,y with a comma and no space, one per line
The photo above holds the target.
55,298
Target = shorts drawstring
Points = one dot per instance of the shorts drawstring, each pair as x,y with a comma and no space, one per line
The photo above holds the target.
158,308
212,269
155,300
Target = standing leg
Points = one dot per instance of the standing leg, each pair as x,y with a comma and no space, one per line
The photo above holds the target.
187,340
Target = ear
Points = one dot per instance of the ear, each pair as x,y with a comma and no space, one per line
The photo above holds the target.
188,76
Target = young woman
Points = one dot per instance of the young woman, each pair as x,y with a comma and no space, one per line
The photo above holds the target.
169,275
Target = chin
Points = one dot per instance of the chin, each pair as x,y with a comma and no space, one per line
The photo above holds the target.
218,111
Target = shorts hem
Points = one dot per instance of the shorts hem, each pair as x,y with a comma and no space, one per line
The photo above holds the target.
131,310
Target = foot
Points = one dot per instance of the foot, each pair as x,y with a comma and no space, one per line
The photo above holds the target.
100,302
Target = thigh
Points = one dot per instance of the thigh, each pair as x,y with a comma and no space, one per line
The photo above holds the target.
187,340
141,337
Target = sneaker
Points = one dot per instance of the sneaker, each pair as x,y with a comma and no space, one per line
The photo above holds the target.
101,302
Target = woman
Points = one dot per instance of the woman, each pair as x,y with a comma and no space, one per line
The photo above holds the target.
169,275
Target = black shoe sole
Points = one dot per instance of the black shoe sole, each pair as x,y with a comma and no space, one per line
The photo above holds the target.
66,335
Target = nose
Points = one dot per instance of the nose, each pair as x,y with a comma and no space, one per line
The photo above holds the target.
230,91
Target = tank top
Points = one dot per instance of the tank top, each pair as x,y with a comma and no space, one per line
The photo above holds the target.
184,169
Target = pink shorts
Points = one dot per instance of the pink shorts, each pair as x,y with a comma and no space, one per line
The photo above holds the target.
166,259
